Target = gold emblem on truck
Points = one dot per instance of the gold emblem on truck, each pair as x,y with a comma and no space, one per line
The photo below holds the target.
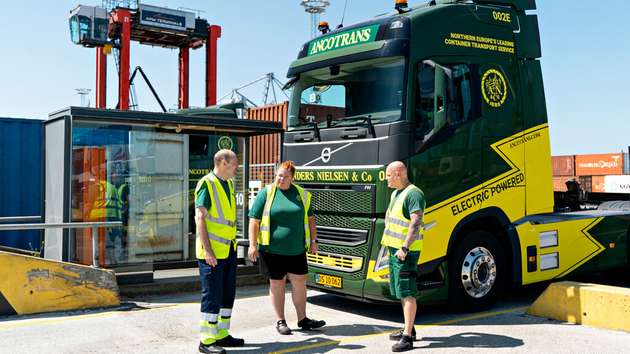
493,88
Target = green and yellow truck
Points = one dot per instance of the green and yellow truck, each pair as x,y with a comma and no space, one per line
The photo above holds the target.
455,90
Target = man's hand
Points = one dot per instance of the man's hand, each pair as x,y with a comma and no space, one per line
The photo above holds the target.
313,248
210,258
400,254
252,253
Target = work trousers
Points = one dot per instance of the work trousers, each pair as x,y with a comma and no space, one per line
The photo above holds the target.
218,289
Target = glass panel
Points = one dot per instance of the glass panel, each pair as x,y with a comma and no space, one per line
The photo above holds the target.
344,94
146,179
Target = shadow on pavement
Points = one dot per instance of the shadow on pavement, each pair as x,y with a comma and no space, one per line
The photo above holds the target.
471,340
320,345
320,342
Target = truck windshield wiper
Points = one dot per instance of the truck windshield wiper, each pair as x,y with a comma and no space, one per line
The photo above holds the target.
367,119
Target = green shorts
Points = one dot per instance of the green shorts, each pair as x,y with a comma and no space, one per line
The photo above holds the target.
402,274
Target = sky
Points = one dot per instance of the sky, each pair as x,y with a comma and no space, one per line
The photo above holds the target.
585,51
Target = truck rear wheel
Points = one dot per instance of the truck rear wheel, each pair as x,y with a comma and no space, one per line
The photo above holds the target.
477,271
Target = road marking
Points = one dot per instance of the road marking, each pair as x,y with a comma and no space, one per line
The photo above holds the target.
418,327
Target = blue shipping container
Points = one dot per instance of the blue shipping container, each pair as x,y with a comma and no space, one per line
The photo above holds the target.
21,178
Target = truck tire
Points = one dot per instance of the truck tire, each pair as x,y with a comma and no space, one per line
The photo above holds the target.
477,271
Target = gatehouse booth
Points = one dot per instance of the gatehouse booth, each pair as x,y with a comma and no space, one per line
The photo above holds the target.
140,168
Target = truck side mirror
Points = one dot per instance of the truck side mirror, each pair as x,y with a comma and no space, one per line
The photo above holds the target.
440,112
441,99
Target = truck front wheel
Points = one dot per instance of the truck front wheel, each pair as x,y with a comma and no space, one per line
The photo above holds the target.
477,271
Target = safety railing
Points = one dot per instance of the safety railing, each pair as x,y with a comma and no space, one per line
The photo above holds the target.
64,225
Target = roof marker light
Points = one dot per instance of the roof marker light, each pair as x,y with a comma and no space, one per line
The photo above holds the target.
323,27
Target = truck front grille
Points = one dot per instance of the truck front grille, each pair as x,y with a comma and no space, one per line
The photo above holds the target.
342,198
341,236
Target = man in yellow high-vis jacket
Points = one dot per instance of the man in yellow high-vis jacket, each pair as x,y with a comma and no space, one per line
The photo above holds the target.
215,219
403,238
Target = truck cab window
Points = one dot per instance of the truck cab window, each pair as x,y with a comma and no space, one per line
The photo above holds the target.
323,102
463,103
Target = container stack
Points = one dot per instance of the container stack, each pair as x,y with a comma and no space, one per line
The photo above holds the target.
596,173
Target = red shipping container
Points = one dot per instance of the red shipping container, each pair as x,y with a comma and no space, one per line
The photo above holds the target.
266,149
599,164
563,165
559,183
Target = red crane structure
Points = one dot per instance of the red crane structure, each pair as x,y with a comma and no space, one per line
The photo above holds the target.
156,26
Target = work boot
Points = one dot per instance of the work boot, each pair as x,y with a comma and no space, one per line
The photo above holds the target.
308,324
397,335
211,349
405,343
230,341
282,327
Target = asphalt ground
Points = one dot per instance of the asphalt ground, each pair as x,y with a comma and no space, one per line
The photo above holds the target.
169,324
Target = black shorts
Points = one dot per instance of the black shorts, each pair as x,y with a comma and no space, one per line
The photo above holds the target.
276,266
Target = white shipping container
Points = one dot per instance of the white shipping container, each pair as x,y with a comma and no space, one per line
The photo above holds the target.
617,184
626,164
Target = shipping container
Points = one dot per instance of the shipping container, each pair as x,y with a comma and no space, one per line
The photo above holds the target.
563,165
598,184
616,184
599,164
586,183
559,183
264,151
626,163
21,178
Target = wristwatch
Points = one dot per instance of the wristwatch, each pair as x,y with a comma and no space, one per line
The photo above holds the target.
405,249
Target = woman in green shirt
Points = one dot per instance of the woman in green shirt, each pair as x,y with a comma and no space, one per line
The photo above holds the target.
283,249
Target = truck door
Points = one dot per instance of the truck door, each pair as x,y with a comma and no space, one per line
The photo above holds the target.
502,134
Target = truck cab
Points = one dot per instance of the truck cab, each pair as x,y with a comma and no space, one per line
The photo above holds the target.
454,89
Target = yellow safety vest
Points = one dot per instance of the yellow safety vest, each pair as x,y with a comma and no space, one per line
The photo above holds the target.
397,225
107,205
264,234
221,220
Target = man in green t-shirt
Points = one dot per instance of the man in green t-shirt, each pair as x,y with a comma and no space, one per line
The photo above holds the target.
403,238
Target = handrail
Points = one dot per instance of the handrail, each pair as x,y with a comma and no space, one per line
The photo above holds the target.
65,225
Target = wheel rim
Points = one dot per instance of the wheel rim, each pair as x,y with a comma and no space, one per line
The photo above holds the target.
479,272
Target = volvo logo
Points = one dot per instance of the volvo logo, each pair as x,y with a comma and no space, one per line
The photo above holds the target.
326,153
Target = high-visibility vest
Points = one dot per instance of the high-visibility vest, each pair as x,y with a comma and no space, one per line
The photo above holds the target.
107,204
264,234
221,219
397,225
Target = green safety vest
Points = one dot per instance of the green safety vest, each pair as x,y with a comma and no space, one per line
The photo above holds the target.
107,206
221,220
397,225
264,234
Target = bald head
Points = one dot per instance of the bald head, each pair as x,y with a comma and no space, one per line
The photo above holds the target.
396,174
224,155
225,164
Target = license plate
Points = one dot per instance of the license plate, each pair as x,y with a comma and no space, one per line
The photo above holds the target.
328,280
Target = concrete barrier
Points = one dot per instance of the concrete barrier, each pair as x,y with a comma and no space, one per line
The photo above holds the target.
34,285
588,304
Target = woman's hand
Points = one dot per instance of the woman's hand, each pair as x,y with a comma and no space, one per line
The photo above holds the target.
252,253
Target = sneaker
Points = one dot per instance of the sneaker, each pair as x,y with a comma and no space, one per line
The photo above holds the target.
308,324
405,343
397,335
211,349
282,327
230,341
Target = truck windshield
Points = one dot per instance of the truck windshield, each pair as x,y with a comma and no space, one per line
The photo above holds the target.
347,93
